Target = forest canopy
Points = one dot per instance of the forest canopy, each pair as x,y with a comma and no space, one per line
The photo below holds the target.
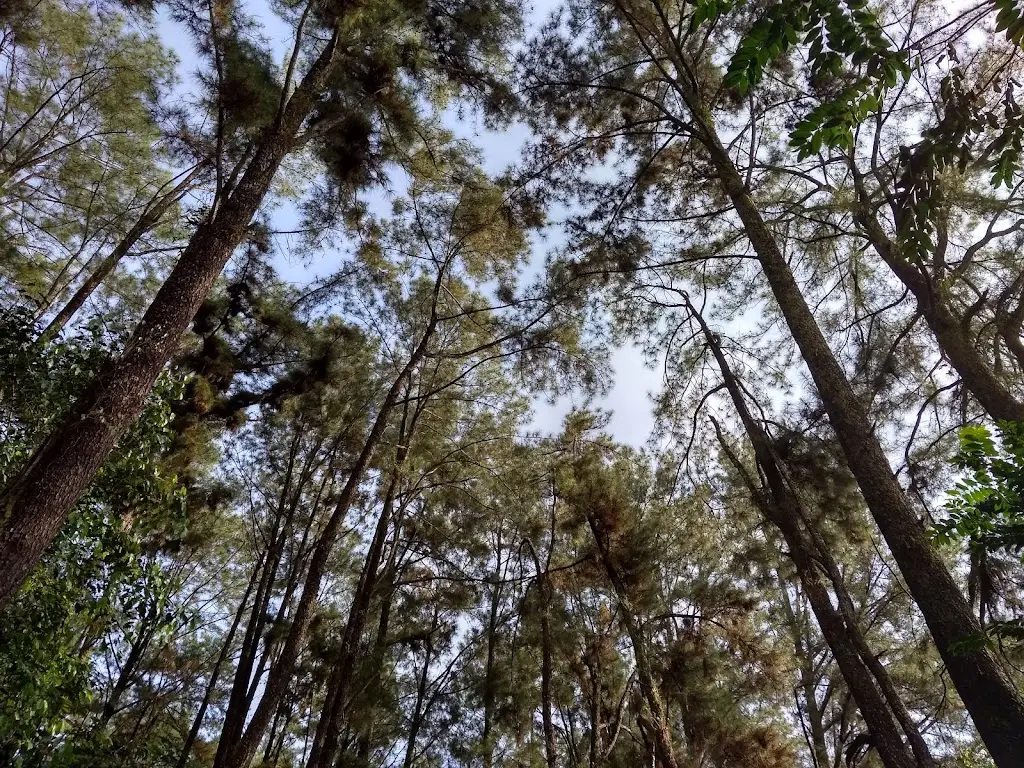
313,316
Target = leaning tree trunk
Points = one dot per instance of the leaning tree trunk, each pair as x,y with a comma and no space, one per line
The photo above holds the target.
380,643
871,660
37,503
211,685
781,506
994,704
259,614
325,739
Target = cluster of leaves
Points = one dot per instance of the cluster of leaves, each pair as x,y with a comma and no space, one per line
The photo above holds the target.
101,575
836,34
840,34
80,143
986,506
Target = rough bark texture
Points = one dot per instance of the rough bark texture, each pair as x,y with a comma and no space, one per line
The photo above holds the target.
37,503
996,707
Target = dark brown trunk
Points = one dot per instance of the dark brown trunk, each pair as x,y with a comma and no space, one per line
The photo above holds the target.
995,706
545,594
293,576
492,641
594,668
325,743
780,503
278,733
873,706
131,665
546,670
421,697
239,700
380,641
36,504
871,661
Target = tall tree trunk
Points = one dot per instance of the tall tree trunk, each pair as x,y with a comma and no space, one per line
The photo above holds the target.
380,641
870,659
780,504
149,219
596,748
421,697
278,734
545,594
211,685
492,641
995,706
325,742
238,699
131,664
546,674
35,505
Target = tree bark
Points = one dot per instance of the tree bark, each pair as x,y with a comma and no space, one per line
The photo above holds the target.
545,594
492,628
780,505
879,672
421,696
325,742
380,641
595,747
37,503
238,699
546,674
211,686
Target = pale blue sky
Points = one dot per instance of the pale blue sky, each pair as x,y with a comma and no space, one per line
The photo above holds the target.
629,400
